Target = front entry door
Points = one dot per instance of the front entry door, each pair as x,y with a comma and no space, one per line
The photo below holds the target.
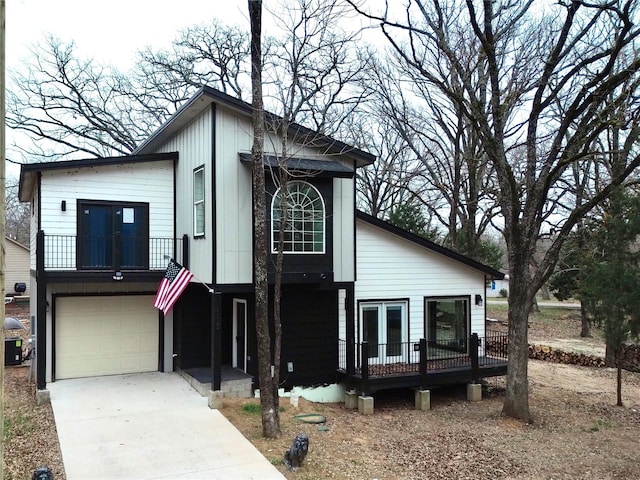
240,334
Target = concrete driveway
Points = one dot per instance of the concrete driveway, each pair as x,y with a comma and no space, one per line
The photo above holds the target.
148,426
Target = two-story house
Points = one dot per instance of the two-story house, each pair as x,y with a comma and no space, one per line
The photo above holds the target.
103,231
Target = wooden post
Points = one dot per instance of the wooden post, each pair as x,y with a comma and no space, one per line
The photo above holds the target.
185,251
364,367
473,353
216,340
41,314
423,363
2,224
351,335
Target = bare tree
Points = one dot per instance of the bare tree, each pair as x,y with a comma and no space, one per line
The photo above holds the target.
17,214
212,54
312,79
69,106
577,54
268,387
452,177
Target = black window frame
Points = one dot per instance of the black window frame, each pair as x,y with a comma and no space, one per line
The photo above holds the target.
142,243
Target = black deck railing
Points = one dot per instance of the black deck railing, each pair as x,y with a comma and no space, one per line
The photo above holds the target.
114,252
422,357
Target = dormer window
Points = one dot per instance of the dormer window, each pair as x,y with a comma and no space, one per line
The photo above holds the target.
304,222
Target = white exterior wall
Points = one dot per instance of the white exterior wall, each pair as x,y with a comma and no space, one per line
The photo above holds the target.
390,267
148,182
193,144
234,211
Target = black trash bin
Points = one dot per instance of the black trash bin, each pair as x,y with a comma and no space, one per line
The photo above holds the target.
13,351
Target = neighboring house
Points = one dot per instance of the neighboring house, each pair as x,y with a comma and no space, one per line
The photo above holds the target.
104,229
16,267
497,287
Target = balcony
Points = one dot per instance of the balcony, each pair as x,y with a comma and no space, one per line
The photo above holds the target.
64,253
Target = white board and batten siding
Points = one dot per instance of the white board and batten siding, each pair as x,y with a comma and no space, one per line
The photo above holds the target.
144,182
343,230
195,149
234,210
390,267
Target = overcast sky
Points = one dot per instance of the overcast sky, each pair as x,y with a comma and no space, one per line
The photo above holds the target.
112,31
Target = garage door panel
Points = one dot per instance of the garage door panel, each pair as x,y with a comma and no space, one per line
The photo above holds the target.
105,336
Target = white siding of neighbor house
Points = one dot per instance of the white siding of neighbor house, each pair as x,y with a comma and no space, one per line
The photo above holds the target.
390,267
148,182
16,267
194,146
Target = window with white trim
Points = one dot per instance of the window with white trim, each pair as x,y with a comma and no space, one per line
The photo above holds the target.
303,223
198,202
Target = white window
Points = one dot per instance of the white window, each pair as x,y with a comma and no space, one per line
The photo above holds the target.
304,220
384,326
198,202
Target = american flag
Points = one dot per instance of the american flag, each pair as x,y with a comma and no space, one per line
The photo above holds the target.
175,280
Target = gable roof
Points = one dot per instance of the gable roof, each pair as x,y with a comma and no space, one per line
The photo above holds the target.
29,171
206,96
423,242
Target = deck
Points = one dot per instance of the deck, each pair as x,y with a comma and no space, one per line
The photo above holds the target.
422,364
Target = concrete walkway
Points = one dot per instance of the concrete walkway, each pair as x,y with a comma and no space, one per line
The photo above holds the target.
148,426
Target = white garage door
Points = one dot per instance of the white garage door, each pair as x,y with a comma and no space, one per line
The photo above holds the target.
105,336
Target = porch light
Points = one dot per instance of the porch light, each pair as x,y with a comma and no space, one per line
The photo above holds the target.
117,276
479,300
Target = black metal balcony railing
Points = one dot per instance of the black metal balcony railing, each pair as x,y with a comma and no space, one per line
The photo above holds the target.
420,357
115,252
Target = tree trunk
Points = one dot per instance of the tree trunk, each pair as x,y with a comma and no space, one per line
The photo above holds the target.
585,321
516,403
619,388
268,394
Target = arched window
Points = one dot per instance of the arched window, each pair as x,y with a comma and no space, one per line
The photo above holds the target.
304,228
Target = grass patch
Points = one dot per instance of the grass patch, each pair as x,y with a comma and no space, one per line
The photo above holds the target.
256,408
599,425
252,408
16,426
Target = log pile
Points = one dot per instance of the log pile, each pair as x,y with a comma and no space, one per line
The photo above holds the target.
549,354
630,357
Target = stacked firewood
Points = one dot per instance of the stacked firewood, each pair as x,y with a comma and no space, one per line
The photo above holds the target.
549,354
630,357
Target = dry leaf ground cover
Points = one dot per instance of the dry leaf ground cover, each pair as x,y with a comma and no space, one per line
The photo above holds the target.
578,433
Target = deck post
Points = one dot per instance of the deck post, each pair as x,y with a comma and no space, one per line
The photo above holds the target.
185,251
364,367
215,395
351,335
423,363
41,314
473,353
